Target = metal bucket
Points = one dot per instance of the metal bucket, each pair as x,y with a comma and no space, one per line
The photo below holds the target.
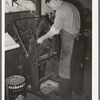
15,88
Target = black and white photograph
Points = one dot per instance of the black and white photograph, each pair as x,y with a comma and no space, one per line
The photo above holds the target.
48,50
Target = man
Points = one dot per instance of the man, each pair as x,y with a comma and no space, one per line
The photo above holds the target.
67,24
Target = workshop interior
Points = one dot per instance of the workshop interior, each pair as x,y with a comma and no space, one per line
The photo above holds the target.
31,69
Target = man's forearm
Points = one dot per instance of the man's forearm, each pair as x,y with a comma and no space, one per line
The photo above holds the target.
53,31
48,35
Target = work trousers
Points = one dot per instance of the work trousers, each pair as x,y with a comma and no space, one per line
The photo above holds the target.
75,83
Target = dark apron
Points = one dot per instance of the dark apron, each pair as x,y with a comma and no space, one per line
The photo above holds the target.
67,44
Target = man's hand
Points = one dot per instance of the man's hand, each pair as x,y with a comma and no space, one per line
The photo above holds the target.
46,36
40,40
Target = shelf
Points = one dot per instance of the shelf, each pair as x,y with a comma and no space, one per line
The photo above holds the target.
19,12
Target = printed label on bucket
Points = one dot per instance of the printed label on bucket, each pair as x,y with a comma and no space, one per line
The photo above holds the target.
16,87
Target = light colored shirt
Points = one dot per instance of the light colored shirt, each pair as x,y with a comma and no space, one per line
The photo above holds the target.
67,18
54,30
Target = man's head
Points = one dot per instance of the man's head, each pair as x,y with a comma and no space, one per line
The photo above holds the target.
54,4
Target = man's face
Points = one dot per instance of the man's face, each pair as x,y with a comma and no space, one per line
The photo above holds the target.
53,4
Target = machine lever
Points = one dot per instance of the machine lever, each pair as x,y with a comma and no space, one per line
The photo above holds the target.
46,46
51,58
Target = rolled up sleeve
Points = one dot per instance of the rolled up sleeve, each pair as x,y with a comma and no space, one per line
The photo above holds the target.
54,30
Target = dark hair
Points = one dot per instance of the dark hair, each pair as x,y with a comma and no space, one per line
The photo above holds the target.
46,1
